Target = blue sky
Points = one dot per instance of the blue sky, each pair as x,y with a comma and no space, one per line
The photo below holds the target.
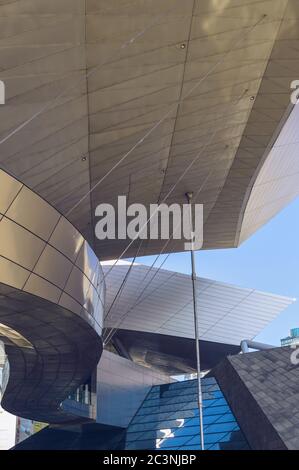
268,261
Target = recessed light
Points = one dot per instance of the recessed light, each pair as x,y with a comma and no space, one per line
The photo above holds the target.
84,158
183,46
252,98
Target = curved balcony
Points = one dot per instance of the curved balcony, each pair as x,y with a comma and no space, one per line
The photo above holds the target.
51,304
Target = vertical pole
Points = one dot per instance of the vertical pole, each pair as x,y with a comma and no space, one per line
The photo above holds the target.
196,329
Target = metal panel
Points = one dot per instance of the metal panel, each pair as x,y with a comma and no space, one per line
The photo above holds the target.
9,188
228,313
11,273
69,246
30,211
38,286
53,266
277,183
64,330
52,263
19,245
122,381
242,55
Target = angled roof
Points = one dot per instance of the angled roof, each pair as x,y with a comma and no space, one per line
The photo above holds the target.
227,313
268,382
277,183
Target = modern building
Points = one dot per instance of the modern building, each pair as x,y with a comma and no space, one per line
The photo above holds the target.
152,321
249,402
147,100
293,339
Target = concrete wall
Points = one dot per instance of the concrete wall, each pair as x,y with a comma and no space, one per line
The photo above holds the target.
121,388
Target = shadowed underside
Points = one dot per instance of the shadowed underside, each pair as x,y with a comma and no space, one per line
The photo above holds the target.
64,351
239,56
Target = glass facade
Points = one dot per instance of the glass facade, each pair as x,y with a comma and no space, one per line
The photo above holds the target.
169,420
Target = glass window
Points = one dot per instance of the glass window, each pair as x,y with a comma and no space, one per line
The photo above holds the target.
168,419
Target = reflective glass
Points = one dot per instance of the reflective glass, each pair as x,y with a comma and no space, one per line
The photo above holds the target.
169,419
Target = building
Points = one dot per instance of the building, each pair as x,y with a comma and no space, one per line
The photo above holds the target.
293,339
250,402
150,103
156,328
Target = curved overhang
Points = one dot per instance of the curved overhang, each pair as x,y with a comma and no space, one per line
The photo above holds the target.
277,182
151,321
65,349
51,304
172,355
112,92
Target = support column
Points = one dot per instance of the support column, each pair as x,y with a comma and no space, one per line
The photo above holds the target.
196,326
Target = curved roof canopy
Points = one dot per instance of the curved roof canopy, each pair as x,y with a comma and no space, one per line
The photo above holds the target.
95,93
